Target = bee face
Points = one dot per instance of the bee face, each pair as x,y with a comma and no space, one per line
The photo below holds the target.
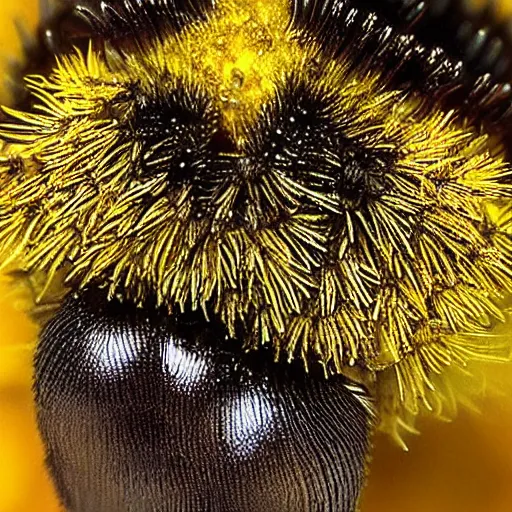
311,181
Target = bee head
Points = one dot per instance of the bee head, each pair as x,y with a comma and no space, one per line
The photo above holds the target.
251,163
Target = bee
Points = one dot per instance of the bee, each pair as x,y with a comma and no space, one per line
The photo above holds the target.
254,234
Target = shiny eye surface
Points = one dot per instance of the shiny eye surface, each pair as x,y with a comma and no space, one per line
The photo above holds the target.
265,231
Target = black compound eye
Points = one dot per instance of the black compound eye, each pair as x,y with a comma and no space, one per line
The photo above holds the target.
298,133
297,137
304,136
172,133
189,418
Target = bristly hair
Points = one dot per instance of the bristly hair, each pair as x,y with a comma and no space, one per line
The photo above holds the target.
397,38
136,18
473,32
295,173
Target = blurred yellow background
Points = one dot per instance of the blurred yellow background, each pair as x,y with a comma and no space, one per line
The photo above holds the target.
464,466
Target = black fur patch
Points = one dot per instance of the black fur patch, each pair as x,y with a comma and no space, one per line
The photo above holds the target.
123,18
436,50
300,135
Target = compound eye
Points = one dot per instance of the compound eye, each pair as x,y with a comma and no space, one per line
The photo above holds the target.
304,135
296,133
165,414
171,134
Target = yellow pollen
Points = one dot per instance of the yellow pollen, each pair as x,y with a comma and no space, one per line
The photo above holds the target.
238,55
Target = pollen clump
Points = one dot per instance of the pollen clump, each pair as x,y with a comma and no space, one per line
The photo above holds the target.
294,193
237,56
